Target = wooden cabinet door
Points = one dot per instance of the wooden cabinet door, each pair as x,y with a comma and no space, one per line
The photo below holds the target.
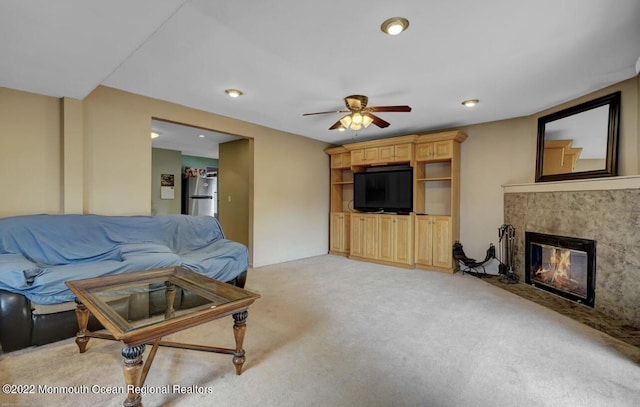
402,152
364,236
345,159
356,235
335,232
371,155
357,157
386,154
424,151
346,243
339,232
433,241
370,237
438,150
442,244
403,239
396,239
342,160
387,237
336,161
423,240
442,149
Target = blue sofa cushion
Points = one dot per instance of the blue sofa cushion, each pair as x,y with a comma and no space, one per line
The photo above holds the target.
16,271
221,255
38,253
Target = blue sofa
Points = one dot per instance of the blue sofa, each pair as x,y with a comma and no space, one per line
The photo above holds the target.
38,253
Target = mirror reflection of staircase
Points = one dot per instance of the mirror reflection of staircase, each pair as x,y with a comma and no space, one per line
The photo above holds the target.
559,157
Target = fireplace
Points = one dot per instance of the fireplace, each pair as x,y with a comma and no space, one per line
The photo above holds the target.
561,265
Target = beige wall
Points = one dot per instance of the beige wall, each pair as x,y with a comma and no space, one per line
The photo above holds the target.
117,153
291,198
117,166
493,154
30,154
504,152
234,186
166,162
72,155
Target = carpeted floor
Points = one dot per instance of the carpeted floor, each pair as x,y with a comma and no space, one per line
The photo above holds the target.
329,331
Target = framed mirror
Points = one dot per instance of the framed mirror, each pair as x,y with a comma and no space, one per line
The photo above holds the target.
580,141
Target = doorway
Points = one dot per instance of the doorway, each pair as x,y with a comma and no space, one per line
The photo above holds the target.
190,156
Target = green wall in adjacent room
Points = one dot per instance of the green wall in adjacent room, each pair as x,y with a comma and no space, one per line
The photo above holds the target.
165,162
199,162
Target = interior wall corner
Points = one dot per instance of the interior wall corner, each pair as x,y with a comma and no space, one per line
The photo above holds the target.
72,138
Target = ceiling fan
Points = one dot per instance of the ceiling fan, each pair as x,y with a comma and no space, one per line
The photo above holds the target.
360,115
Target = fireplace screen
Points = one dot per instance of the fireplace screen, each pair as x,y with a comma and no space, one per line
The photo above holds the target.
561,265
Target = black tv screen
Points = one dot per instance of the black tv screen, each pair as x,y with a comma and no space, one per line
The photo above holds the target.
383,191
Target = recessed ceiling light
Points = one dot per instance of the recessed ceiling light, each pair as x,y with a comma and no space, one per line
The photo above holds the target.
201,135
234,93
341,128
154,135
394,25
470,102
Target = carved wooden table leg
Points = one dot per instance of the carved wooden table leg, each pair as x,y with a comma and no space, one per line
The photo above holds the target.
132,370
239,327
82,315
170,295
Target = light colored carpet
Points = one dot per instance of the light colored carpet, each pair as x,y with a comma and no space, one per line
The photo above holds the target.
329,331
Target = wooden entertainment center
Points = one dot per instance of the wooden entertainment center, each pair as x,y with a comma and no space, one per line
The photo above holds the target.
422,238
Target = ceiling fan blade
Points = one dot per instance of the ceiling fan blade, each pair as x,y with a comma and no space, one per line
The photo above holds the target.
378,121
332,111
403,108
335,125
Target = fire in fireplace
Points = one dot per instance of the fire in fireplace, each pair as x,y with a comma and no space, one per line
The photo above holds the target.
562,265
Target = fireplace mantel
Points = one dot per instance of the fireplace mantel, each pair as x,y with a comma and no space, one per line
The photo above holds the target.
594,184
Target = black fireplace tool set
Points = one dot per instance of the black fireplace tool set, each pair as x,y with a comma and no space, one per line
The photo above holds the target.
507,237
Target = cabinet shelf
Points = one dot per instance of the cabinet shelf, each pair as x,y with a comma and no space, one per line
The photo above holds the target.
342,183
427,179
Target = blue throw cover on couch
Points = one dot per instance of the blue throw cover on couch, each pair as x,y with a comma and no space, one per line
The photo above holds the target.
38,253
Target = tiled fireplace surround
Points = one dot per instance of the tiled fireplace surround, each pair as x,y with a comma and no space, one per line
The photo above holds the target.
606,210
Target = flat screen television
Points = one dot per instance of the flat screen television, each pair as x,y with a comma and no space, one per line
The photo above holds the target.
383,191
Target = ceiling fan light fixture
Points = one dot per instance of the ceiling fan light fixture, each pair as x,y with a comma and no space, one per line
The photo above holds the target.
470,102
355,121
234,93
394,25
356,118
346,121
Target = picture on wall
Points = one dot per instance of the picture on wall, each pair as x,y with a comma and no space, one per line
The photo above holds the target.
167,184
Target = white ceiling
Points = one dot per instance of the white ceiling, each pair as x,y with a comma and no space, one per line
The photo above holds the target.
291,57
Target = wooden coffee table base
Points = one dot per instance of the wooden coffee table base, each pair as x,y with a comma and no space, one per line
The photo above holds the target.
135,371
215,299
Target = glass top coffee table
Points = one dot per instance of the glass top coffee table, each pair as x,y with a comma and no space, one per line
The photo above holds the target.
202,299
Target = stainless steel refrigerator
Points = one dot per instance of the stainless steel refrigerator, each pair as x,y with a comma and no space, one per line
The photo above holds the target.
200,195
